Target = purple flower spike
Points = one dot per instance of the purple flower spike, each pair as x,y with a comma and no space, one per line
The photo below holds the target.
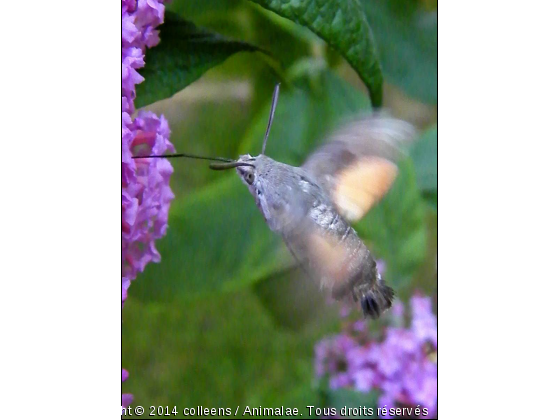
146,195
126,400
402,365
125,286
423,320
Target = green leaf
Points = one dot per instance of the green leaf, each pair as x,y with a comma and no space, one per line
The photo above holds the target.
201,9
397,228
343,25
406,36
184,54
424,157
431,198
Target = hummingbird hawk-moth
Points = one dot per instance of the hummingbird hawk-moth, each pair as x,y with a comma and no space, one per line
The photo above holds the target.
311,206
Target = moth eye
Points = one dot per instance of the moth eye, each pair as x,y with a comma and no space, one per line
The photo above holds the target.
250,178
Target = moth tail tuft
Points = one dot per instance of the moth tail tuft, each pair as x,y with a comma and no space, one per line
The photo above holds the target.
377,300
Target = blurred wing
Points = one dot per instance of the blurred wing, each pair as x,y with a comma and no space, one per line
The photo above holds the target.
321,258
358,163
327,248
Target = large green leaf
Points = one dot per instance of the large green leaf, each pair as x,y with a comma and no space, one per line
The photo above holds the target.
406,36
183,55
397,228
424,156
201,9
343,25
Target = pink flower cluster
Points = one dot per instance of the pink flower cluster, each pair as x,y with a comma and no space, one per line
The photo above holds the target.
146,195
402,365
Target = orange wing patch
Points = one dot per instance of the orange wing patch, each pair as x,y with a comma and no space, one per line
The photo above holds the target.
361,185
328,258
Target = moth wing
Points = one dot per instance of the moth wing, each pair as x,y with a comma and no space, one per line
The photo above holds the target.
358,163
319,257
322,256
327,247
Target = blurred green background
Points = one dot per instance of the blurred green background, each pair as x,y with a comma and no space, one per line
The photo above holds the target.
225,319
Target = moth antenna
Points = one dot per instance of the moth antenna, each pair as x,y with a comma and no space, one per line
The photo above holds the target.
271,116
185,155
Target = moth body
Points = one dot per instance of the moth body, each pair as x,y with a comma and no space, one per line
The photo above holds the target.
296,206
312,206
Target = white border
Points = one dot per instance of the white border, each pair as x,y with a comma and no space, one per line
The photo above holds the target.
60,300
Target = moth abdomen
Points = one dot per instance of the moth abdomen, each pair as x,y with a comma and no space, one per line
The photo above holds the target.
375,296
366,284
376,299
